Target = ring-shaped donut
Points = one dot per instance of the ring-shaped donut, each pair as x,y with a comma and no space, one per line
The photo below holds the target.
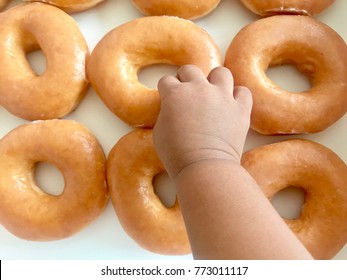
70,6
26,210
321,226
315,49
116,60
188,9
61,87
131,166
287,7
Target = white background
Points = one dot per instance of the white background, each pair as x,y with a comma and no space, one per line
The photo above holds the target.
105,238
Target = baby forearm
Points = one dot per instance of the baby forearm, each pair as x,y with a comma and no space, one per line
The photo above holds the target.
220,199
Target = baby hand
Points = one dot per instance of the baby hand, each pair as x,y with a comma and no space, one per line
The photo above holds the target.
201,118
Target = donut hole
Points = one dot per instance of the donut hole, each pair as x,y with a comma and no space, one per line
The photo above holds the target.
37,61
289,78
289,202
49,179
150,75
165,189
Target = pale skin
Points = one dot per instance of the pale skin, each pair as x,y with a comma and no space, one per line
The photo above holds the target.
199,136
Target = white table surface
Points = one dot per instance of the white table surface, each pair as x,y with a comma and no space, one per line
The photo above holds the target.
105,238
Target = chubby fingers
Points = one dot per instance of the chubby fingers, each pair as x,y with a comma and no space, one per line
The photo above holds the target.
222,77
188,73
166,83
243,96
219,76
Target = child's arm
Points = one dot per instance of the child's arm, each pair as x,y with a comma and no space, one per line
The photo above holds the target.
199,136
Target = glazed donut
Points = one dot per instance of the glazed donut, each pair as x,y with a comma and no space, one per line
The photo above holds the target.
187,9
56,92
70,6
131,166
287,7
321,227
315,49
118,57
27,211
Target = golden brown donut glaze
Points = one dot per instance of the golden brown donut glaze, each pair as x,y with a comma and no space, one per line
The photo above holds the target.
131,166
27,211
315,49
118,57
321,226
187,9
3,3
293,7
60,88
70,6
